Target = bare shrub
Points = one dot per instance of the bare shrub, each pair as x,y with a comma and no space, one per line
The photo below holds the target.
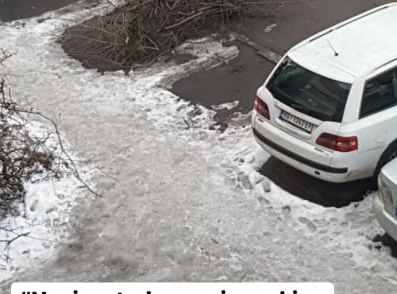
25,156
22,156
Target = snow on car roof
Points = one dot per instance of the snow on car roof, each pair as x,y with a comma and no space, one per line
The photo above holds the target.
352,47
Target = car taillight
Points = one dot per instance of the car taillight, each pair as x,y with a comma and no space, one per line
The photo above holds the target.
261,108
342,144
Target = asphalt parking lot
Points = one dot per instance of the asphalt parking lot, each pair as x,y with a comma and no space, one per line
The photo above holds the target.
283,26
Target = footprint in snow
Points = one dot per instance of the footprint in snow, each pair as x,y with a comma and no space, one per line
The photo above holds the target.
310,225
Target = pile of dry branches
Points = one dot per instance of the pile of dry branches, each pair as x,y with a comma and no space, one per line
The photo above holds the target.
143,30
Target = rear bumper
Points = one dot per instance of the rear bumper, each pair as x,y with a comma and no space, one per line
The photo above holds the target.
387,221
297,157
305,164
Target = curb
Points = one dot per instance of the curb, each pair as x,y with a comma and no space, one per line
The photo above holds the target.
266,53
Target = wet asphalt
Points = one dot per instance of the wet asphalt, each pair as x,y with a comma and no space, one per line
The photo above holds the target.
20,9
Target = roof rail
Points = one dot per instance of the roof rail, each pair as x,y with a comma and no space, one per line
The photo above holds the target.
383,64
369,71
360,16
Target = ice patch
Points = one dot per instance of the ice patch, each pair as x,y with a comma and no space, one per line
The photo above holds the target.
269,28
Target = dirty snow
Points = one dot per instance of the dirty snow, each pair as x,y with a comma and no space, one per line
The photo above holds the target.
181,202
269,28
227,106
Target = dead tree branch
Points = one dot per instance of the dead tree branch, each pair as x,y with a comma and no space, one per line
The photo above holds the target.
141,31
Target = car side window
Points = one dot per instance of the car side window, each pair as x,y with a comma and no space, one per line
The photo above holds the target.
380,93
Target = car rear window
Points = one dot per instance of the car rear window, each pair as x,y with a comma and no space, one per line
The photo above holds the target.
308,92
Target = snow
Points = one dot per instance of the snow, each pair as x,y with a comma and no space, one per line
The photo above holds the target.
43,215
181,202
227,106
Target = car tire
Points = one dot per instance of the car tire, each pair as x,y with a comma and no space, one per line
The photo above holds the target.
388,155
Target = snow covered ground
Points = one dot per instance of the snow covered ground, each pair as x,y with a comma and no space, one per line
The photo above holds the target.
43,215
181,201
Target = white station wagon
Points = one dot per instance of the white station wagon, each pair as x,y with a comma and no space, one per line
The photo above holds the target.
329,108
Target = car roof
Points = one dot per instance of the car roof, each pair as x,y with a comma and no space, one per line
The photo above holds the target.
353,47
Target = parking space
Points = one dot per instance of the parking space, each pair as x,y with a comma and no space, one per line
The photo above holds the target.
309,188
287,23
235,81
284,25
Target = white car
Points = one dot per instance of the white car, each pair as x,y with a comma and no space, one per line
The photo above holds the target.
385,204
329,107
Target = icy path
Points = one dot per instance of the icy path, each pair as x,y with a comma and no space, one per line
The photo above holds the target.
180,202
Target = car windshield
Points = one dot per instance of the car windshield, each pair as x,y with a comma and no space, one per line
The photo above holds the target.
309,93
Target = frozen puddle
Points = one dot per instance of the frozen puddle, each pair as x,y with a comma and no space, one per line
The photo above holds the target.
180,202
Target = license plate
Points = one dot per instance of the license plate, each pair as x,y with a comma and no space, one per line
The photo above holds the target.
296,121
